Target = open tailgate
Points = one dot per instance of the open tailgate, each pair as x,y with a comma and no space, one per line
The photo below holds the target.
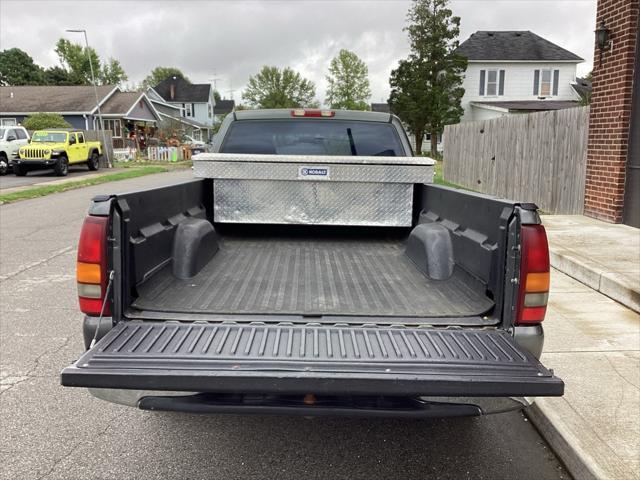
260,358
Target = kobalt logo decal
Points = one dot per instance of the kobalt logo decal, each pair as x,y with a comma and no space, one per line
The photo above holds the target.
318,173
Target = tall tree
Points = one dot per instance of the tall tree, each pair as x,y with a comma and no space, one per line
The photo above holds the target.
75,58
275,88
159,74
112,73
426,89
18,68
348,82
57,76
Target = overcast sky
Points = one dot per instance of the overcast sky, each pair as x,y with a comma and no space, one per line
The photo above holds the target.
230,40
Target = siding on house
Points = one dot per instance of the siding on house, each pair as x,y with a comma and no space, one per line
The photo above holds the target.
142,111
518,85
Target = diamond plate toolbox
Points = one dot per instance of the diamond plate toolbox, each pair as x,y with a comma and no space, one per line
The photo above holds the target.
305,189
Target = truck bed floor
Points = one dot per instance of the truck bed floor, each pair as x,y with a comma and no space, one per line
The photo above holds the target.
313,277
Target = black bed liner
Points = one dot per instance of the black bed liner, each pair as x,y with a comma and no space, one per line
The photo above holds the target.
314,277
260,358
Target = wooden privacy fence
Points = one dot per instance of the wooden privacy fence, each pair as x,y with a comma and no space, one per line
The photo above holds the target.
96,135
537,157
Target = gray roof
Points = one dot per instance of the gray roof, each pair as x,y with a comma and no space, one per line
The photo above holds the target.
224,106
51,99
531,105
183,91
513,45
582,88
119,103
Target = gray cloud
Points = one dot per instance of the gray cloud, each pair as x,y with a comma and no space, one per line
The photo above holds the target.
232,40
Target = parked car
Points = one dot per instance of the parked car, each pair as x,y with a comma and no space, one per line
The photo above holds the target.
57,149
11,139
197,146
313,270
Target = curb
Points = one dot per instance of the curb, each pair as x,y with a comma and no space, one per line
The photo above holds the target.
582,452
595,278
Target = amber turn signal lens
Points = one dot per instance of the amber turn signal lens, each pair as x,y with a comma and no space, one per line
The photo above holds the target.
537,282
88,272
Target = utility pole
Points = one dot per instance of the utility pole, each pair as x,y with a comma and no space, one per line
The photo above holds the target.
95,90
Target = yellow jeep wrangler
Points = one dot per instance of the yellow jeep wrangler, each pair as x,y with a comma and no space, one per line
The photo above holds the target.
57,149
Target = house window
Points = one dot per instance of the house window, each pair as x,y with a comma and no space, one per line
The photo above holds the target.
114,126
8,122
545,82
187,109
210,110
491,83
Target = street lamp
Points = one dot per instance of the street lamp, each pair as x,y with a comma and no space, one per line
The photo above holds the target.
95,90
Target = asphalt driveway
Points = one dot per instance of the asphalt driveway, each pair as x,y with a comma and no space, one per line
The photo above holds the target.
52,432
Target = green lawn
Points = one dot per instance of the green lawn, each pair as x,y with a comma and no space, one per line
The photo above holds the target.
438,180
42,190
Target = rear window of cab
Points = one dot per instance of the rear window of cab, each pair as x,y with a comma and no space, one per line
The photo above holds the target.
312,137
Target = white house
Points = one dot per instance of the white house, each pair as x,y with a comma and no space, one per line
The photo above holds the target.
511,72
193,102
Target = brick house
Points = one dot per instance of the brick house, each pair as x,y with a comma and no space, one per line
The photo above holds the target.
612,190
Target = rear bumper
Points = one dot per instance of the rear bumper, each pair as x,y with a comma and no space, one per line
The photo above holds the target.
372,406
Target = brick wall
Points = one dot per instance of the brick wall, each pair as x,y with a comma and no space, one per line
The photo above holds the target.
611,112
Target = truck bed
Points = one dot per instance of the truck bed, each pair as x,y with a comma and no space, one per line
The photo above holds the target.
314,276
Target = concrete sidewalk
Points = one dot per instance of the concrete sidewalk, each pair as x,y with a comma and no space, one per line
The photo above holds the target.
593,344
603,256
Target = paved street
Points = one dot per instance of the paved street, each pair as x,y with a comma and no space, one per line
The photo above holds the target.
59,433
40,176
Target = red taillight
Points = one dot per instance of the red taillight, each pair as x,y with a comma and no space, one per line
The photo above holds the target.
91,269
534,275
304,112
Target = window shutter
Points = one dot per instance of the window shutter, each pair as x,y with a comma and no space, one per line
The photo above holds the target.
501,83
536,81
556,77
193,110
482,73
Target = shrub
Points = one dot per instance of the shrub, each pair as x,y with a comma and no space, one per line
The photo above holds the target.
41,121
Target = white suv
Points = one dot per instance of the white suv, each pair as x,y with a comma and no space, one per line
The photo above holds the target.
11,139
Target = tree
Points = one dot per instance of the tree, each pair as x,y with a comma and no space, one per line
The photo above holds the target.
112,73
275,88
426,88
159,74
18,68
41,121
216,96
75,59
57,76
348,82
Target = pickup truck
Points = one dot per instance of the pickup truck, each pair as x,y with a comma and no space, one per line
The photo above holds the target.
57,149
11,139
313,268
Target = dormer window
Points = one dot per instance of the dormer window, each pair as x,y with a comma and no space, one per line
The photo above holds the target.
491,83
